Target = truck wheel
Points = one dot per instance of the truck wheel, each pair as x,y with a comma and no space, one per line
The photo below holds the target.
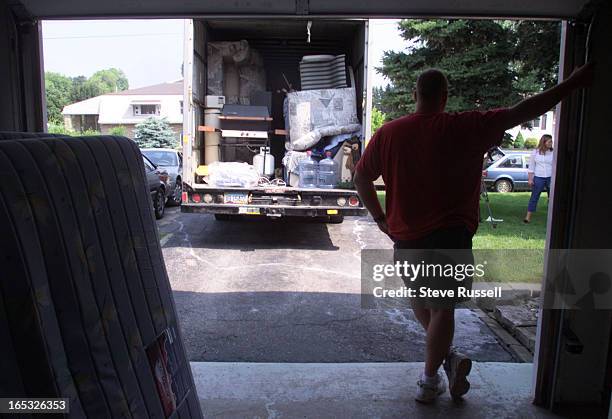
503,186
336,219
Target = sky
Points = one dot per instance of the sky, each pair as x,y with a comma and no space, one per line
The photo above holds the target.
151,51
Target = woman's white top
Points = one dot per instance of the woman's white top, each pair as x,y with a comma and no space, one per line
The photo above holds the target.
541,164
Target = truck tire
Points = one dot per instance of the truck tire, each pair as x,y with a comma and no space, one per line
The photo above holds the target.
89,298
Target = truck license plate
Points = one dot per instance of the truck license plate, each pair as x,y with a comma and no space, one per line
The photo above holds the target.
236,198
249,210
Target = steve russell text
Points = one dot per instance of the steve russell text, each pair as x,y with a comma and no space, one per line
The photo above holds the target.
460,292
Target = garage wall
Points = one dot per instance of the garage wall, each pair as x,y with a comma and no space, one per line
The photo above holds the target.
580,219
9,80
22,103
591,223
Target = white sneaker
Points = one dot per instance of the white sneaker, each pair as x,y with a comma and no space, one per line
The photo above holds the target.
457,367
428,393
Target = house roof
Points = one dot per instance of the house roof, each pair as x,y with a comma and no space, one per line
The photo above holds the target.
174,88
92,105
89,106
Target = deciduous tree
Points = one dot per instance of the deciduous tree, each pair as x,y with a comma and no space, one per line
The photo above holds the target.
58,90
62,90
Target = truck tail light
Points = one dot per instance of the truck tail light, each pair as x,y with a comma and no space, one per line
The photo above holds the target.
341,201
208,198
185,197
353,201
196,198
485,173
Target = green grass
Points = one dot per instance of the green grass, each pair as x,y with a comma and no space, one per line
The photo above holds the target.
512,233
524,243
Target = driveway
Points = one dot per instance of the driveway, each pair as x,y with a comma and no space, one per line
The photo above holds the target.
288,291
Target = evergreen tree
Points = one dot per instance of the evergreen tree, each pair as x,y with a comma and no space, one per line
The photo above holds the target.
507,141
519,141
155,133
537,52
488,63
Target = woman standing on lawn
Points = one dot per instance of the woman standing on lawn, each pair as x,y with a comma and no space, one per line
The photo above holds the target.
540,171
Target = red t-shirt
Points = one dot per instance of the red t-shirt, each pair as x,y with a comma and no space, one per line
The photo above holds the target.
431,164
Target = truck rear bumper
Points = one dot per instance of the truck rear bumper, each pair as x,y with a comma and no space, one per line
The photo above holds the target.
271,210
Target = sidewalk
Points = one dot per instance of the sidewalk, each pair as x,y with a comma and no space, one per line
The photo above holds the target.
356,390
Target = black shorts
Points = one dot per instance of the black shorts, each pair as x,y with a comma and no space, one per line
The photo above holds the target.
440,252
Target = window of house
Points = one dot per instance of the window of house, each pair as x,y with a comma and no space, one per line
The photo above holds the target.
515,162
143,109
536,123
543,125
181,102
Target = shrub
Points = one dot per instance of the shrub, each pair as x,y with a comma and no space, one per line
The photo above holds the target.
54,128
155,133
531,143
120,131
88,132
519,141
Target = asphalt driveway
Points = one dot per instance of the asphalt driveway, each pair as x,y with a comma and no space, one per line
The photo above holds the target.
288,291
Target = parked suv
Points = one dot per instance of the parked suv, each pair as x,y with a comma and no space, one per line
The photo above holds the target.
508,173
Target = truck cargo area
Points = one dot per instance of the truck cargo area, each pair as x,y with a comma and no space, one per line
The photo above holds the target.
281,44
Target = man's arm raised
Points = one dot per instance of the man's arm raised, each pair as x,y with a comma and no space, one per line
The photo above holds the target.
541,103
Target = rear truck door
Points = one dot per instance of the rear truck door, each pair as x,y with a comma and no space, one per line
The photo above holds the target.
194,76
367,83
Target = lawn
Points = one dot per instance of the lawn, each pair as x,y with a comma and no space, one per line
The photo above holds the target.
523,258
512,233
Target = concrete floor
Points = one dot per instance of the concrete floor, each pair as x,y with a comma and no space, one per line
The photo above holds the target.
356,390
276,291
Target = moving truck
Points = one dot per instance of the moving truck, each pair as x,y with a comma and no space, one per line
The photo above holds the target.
281,44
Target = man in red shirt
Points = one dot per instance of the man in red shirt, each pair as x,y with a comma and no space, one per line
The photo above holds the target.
431,163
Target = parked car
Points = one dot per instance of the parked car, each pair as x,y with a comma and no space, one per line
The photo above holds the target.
507,172
157,179
172,162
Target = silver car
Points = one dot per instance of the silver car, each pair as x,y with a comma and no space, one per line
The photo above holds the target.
172,162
